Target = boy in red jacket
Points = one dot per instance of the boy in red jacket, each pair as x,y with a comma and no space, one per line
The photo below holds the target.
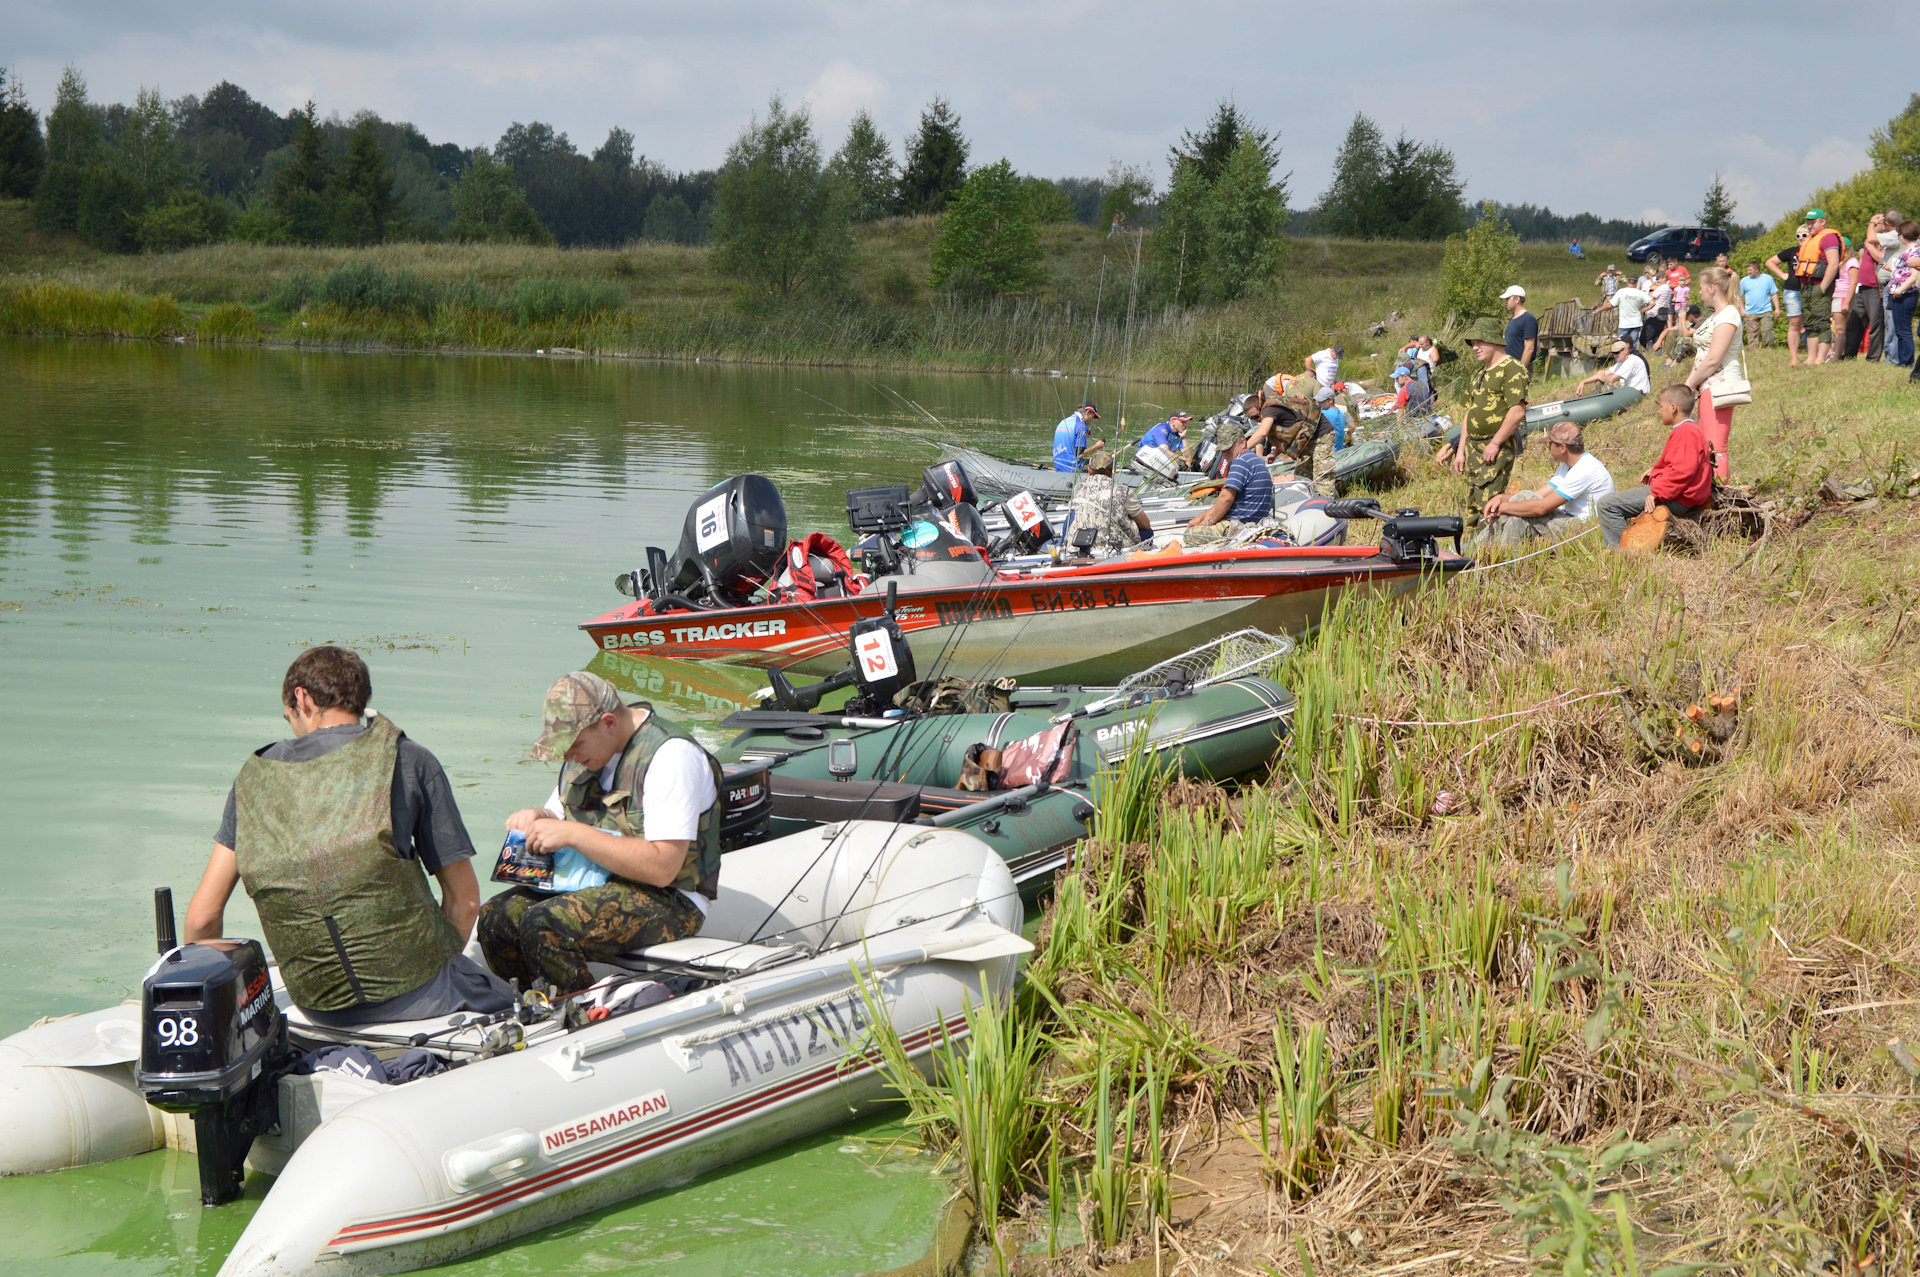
1681,480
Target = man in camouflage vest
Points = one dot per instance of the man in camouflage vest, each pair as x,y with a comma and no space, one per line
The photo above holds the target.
1496,407
635,815
1108,506
333,833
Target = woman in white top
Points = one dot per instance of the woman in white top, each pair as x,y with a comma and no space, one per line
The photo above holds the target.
1719,353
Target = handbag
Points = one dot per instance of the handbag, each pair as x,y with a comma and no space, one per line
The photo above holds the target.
1730,392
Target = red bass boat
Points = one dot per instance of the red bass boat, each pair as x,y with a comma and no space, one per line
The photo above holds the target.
738,592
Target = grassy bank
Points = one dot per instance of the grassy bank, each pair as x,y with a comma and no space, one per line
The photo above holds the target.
662,301
1519,961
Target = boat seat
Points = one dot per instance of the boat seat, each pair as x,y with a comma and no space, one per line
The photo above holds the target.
709,954
830,801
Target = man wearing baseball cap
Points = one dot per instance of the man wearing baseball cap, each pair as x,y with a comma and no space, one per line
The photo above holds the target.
1070,438
634,821
1522,336
1170,434
1628,369
1246,493
1496,407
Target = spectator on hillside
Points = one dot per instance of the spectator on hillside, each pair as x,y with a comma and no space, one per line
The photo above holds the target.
1631,303
1720,260
1337,418
1608,280
1843,286
1325,364
1412,397
1629,369
1760,297
1817,267
1783,265
1719,359
1567,500
1430,357
1681,480
1678,276
1658,317
1902,291
1574,248
1890,247
1645,282
1866,313
1523,329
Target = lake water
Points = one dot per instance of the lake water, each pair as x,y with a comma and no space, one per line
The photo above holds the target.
177,523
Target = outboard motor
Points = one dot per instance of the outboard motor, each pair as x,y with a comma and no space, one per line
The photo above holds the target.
208,1025
882,660
734,537
1406,535
746,804
1029,527
1206,459
946,485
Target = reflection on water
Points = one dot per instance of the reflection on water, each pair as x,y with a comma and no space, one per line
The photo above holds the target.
176,523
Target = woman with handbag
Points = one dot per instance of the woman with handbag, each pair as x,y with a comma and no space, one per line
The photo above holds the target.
1719,367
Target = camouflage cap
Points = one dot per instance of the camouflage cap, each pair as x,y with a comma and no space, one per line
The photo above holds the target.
1486,332
574,702
1232,431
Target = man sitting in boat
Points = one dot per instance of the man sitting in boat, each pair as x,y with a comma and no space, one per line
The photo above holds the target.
1170,434
333,834
634,830
1109,507
1246,494
1070,438
1629,369
1580,480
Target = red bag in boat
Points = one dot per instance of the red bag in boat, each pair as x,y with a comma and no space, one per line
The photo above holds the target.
797,581
1046,755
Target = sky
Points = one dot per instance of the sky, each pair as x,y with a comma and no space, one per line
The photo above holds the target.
1628,114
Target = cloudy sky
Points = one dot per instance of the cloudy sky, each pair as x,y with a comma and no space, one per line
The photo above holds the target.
1626,114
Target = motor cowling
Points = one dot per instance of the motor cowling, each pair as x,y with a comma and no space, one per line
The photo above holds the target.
1411,536
882,660
946,485
209,1030
734,536
746,804
1030,529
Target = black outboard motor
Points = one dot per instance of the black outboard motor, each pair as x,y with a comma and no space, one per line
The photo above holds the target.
882,660
209,1026
1406,535
1029,527
946,485
733,539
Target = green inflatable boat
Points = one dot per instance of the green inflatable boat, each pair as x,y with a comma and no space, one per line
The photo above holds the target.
1209,718
1580,411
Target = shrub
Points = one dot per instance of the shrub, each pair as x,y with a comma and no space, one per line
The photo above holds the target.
293,291
538,301
229,322
988,243
258,224
781,223
365,286
1478,265
187,219
111,204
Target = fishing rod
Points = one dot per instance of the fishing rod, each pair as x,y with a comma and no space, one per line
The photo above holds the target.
1126,355
871,424
1093,339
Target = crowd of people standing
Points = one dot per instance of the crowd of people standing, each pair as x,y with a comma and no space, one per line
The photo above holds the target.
1844,299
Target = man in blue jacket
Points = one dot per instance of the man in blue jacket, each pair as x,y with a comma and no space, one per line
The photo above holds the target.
1070,438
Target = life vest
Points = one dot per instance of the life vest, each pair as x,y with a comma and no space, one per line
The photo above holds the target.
347,919
618,809
1810,263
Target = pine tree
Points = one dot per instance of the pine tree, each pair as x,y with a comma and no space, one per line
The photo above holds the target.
1717,208
1353,206
299,189
1248,210
1209,151
75,141
865,163
363,187
23,152
1419,192
1180,250
487,206
936,164
988,242
781,223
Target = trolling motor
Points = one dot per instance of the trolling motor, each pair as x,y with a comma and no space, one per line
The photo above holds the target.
1028,526
1406,535
208,1029
882,666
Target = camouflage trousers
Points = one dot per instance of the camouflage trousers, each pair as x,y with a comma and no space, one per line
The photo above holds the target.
1485,482
527,934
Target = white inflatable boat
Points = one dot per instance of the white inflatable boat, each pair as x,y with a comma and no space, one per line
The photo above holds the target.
764,1040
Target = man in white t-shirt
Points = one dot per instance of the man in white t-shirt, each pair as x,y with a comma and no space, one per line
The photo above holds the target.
1567,502
633,827
1632,304
1628,369
1325,365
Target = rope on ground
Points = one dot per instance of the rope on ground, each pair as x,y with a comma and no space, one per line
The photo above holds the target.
1572,697
1507,563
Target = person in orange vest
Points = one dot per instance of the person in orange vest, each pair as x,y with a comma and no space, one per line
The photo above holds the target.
1815,267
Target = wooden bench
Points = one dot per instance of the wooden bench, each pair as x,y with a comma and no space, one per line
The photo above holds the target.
1574,339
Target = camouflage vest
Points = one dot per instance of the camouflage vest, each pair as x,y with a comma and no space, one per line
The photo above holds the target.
1099,503
348,921
618,809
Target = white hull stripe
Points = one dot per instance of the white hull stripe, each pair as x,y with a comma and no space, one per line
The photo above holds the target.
392,1230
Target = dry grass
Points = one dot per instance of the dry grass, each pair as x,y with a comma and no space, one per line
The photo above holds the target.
1613,995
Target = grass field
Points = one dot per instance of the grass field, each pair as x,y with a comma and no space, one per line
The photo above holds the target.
1516,964
662,301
